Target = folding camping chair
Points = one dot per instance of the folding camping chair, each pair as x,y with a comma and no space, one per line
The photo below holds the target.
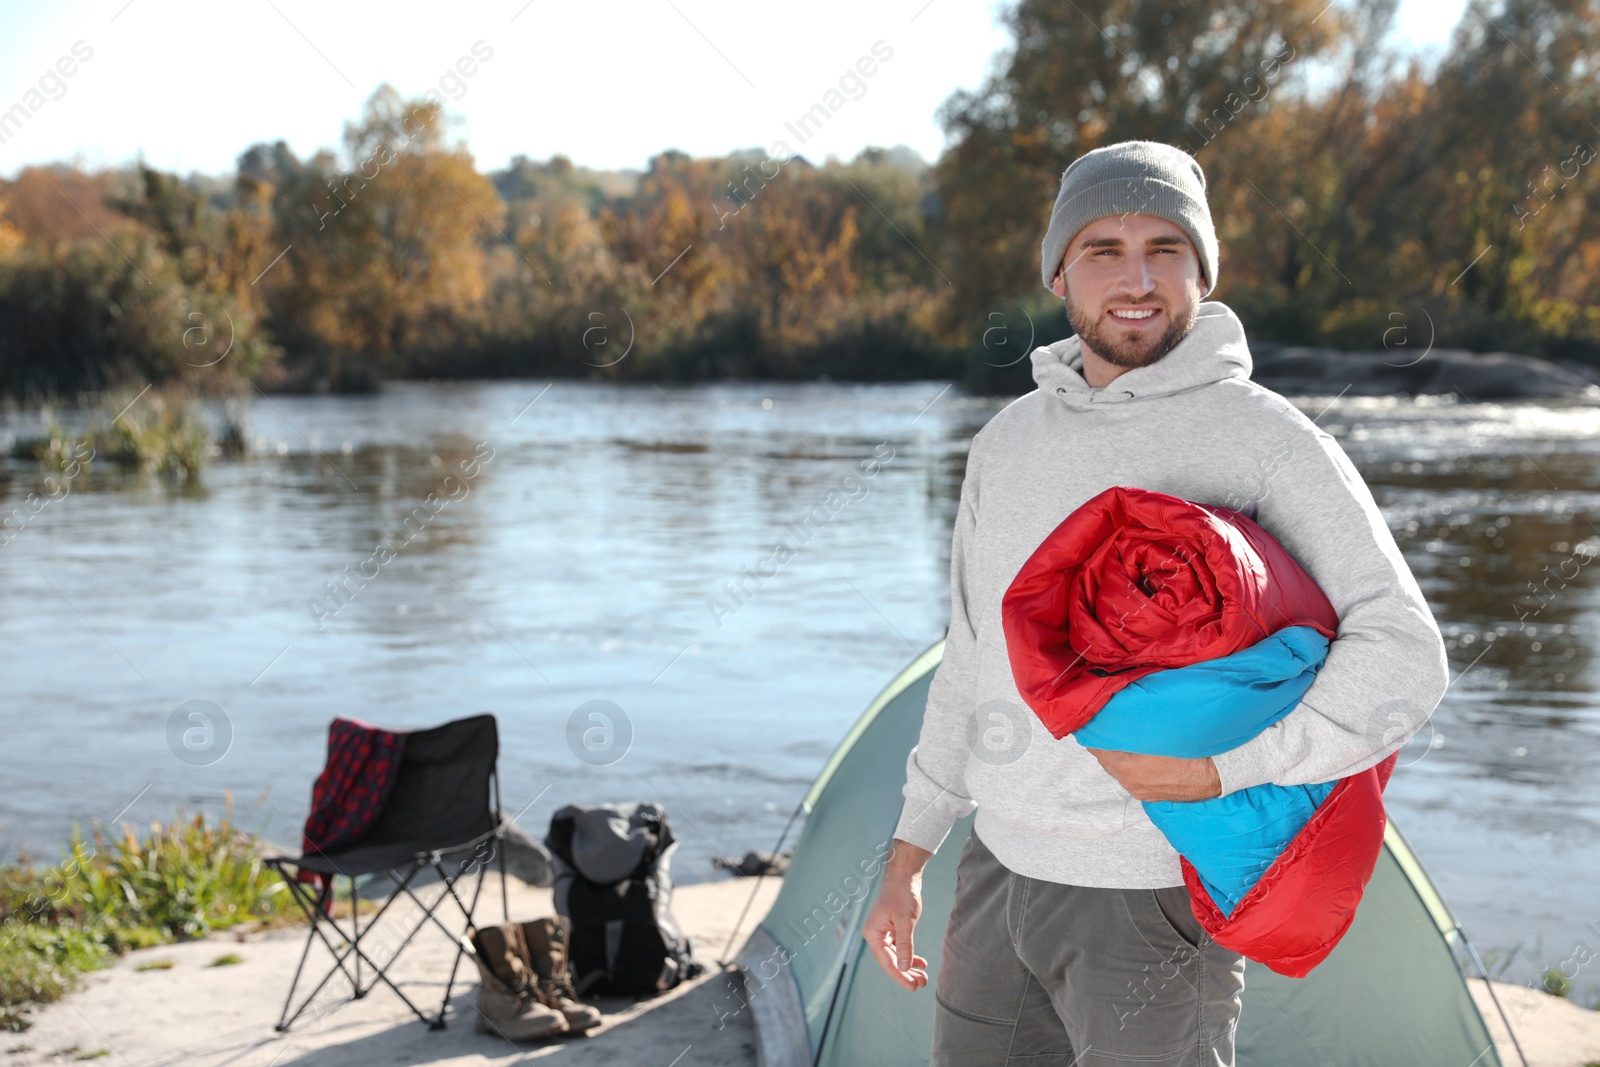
443,812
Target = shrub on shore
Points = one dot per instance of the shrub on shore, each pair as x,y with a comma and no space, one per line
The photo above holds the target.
156,431
109,894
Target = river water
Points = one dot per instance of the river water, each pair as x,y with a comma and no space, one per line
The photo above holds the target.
590,568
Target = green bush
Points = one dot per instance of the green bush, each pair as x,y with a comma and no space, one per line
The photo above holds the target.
181,880
1556,983
156,431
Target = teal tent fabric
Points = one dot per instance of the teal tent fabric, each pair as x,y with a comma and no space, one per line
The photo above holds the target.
1391,993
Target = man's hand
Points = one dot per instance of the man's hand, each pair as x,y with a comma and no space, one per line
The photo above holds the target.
1161,777
894,915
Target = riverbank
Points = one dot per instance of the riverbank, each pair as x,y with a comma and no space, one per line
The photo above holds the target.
1421,371
1553,1032
178,1004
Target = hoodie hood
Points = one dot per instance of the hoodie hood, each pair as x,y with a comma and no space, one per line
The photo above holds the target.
1213,350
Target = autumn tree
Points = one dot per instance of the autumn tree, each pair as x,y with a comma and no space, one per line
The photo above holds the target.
1479,181
1082,74
386,244
98,287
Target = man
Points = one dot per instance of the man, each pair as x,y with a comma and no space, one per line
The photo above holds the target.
1071,939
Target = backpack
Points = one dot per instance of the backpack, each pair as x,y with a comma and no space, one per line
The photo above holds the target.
613,887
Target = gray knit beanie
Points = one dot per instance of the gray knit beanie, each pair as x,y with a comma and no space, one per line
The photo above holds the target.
1132,178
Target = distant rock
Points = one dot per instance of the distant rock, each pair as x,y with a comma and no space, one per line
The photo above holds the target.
755,863
1304,371
1589,372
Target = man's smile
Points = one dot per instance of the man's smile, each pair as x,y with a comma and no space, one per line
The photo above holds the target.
1134,316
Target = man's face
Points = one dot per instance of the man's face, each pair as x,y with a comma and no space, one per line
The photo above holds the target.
1132,286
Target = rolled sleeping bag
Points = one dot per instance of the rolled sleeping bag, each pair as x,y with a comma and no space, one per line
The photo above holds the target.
1147,623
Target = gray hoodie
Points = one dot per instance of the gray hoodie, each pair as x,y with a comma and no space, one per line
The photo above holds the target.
1192,425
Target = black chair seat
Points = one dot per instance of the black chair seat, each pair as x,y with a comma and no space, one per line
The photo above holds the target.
359,860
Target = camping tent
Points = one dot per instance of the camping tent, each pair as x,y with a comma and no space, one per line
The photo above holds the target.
1391,993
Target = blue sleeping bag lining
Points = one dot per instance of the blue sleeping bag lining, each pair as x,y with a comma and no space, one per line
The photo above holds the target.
1207,708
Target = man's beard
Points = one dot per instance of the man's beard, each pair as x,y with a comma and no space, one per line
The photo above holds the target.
1128,353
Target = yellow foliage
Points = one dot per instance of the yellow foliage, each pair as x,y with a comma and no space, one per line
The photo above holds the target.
10,237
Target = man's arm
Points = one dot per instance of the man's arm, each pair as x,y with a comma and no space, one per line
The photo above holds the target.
1161,777
936,769
1386,669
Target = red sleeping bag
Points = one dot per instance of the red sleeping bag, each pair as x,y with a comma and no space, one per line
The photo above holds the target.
1134,582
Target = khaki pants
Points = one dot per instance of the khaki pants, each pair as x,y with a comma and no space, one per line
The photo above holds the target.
1048,975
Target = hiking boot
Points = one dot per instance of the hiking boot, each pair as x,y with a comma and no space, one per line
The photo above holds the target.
547,947
508,1000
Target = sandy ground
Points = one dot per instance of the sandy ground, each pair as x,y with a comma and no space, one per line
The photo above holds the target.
209,1016
195,1013
1553,1032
